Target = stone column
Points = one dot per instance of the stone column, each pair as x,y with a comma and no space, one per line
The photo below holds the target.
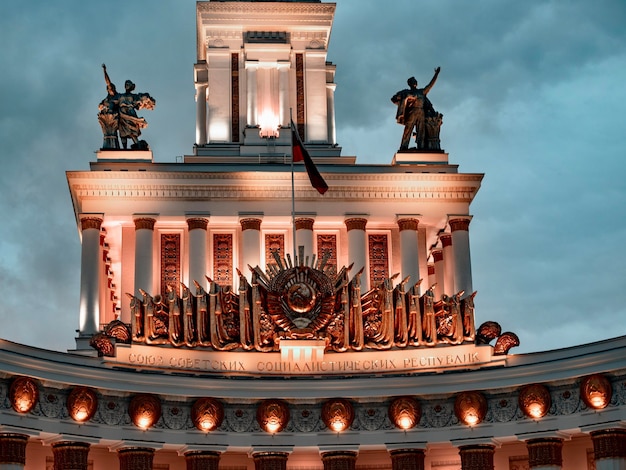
202,460
90,263
304,236
330,103
339,460
422,251
251,245
609,449
477,457
70,455
283,93
448,264
459,225
144,245
431,277
357,248
545,453
439,274
197,227
251,100
135,458
270,460
12,451
407,459
409,250
201,106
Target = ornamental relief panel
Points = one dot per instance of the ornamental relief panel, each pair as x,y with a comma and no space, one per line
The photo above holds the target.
170,263
223,259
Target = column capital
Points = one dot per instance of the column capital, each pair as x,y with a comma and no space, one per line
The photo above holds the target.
407,459
459,222
144,221
355,223
477,456
545,451
339,459
91,221
407,223
437,255
250,224
446,239
609,444
70,454
13,448
196,222
304,223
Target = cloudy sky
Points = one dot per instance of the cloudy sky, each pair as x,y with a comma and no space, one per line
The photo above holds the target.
533,95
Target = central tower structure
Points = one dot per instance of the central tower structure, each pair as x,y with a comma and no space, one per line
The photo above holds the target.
258,63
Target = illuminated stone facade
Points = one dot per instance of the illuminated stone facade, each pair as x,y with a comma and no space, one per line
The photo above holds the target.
231,320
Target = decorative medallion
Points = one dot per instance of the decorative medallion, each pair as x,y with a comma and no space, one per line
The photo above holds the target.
470,408
301,301
207,414
23,394
337,414
144,410
405,412
272,415
596,391
534,400
82,403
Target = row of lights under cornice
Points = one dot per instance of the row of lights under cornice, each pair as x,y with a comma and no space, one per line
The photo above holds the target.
337,414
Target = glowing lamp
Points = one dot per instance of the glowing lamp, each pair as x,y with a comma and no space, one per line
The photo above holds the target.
23,394
268,124
534,400
470,407
82,403
337,414
405,412
207,414
596,391
144,410
272,415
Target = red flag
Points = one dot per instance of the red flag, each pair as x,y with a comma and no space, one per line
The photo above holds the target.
300,154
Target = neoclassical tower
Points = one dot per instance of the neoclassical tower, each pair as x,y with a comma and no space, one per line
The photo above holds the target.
258,63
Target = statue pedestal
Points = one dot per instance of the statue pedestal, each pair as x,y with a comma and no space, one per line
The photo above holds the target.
419,158
124,155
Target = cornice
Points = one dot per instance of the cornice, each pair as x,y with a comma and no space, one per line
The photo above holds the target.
234,9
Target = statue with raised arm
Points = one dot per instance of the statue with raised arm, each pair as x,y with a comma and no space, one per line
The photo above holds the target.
118,115
108,117
416,113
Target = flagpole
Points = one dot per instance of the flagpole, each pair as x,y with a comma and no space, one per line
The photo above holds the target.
293,192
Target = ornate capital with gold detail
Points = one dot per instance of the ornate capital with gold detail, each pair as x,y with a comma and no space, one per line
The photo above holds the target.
68,454
407,459
459,223
304,224
609,444
408,224
356,223
250,224
446,239
88,222
197,223
437,255
13,449
544,452
339,460
144,223
477,457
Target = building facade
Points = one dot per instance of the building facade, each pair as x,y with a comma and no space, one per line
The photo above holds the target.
233,317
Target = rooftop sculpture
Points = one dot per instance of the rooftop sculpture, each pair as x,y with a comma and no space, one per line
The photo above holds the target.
417,115
118,116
